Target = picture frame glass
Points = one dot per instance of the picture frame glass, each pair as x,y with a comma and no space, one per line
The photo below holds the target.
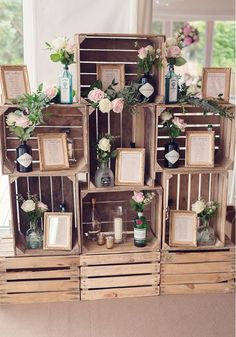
106,73
215,84
58,231
130,166
15,83
183,228
53,151
200,148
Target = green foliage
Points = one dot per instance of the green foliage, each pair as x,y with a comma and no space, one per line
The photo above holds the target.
132,96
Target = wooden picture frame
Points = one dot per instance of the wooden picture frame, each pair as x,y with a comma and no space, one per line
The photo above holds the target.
14,82
107,72
130,165
183,228
200,149
53,153
216,81
57,231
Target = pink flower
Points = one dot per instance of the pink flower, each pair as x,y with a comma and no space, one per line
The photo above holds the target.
70,48
138,197
188,41
118,105
142,53
139,222
22,122
196,38
42,206
187,29
173,51
50,91
95,95
179,123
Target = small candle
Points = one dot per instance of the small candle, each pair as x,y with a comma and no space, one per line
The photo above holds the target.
118,229
109,242
101,239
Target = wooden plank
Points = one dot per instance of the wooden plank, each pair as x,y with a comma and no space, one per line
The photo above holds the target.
38,286
119,293
211,288
39,262
186,257
120,281
194,268
119,258
197,278
39,297
46,274
124,269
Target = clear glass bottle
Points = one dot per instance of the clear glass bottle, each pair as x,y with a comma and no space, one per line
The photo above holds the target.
171,159
65,86
34,236
171,87
94,223
104,176
140,230
70,144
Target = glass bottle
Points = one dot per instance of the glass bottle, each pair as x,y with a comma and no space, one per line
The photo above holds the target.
70,144
171,159
24,157
65,86
171,87
94,223
104,176
34,236
147,87
118,222
140,230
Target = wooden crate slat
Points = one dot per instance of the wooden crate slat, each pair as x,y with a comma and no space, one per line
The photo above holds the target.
189,268
196,278
119,293
39,297
46,274
181,257
39,262
210,288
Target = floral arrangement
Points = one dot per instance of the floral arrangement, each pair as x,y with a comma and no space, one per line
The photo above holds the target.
205,210
174,48
62,50
148,57
105,149
22,122
188,34
174,125
32,207
140,200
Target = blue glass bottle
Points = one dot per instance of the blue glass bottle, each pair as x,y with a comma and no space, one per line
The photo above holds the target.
172,79
65,85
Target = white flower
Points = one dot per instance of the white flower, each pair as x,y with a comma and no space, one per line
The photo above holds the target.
105,105
171,42
70,48
158,51
166,116
104,144
149,49
42,206
198,206
179,123
28,206
60,43
11,118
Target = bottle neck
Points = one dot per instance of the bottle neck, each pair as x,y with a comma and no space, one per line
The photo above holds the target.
171,68
66,67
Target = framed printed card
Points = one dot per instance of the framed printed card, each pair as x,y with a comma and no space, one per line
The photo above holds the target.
183,228
106,73
215,82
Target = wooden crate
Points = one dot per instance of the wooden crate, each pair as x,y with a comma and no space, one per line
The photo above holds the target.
119,275
197,272
7,246
224,136
107,200
93,49
41,279
182,189
138,128
52,190
59,117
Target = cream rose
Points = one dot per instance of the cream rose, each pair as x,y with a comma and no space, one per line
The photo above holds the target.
59,43
95,95
105,105
117,105
11,118
70,48
149,49
104,144
179,123
173,52
23,122
138,197
50,91
142,53
198,206
28,206
42,206
166,116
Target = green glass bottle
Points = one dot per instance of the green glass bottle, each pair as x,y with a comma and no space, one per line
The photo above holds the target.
65,85
140,230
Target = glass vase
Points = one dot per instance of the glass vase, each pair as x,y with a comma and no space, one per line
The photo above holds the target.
205,233
147,87
24,157
34,236
104,176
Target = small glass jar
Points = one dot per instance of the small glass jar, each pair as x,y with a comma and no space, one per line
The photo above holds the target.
101,238
109,242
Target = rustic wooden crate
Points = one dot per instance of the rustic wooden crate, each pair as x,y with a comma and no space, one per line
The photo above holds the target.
107,200
52,190
182,189
41,279
59,117
93,49
138,128
197,272
120,275
193,116
7,246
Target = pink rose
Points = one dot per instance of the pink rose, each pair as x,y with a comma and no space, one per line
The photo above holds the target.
142,53
179,123
138,197
70,48
173,51
50,91
95,95
118,105
188,41
23,122
42,206
139,222
196,38
187,30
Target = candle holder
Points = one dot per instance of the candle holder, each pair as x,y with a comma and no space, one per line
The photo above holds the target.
119,224
109,242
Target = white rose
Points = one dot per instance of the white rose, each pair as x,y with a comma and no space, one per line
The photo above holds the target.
70,48
171,42
11,118
105,105
166,116
28,206
149,49
42,206
59,43
104,144
198,206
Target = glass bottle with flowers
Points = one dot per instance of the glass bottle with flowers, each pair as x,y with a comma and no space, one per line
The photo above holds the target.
175,127
23,121
34,210
148,58
205,211
63,51
138,202
104,176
